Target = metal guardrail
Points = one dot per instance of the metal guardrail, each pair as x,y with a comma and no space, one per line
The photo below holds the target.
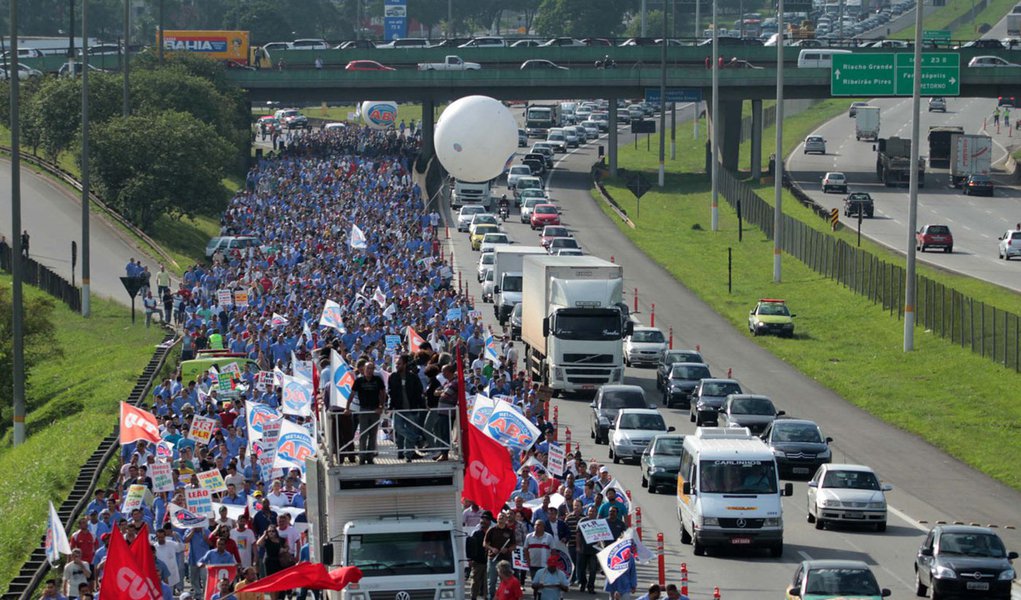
341,437
36,569
59,172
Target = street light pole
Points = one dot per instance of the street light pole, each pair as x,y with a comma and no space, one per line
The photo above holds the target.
70,37
714,147
662,103
86,274
127,57
778,152
160,41
17,263
916,105
644,15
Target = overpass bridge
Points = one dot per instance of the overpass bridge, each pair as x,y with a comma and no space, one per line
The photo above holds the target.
637,69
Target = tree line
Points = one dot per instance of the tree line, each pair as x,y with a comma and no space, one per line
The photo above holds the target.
188,129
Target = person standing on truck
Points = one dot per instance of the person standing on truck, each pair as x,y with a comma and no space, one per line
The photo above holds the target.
499,545
371,393
405,391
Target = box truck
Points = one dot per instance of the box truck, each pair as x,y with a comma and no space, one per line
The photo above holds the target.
224,46
969,155
507,276
866,123
573,321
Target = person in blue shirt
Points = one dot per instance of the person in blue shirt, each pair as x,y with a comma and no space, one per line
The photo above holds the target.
198,547
218,556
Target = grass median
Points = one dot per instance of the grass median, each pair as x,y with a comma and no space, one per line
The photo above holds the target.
844,341
73,404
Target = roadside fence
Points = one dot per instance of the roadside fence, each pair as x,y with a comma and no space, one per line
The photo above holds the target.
44,279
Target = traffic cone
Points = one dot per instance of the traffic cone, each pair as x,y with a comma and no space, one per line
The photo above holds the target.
716,593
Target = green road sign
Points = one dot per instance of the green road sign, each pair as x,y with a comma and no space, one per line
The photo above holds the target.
936,35
941,74
863,75
889,74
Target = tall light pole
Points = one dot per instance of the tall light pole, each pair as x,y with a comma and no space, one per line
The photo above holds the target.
645,14
70,37
86,271
916,104
17,307
159,42
714,147
662,103
127,56
778,152
450,17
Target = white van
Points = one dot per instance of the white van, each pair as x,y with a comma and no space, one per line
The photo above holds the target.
728,491
818,58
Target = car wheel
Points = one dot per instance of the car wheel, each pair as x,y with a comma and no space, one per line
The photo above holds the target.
685,536
881,526
776,550
819,523
616,459
645,482
698,420
920,588
652,488
949,250
698,548
810,517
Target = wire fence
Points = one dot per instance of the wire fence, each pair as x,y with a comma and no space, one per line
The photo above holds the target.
941,310
44,279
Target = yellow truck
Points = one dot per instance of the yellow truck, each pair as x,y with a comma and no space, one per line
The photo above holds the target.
231,47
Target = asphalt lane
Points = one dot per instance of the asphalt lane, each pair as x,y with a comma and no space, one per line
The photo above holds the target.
976,221
52,215
928,484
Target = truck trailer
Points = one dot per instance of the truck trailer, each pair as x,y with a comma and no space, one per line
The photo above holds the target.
893,162
939,144
969,155
866,123
573,322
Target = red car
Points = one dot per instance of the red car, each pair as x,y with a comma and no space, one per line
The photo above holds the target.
934,236
544,214
367,65
552,231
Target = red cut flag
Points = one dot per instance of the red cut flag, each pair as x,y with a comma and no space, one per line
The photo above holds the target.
489,477
138,424
122,577
415,341
145,560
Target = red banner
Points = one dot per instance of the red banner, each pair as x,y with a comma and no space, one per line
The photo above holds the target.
122,576
214,573
138,424
142,552
489,477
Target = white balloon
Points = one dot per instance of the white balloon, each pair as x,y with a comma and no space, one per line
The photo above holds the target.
379,114
476,136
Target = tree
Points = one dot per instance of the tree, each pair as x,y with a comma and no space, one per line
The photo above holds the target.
55,109
152,164
582,18
39,344
653,25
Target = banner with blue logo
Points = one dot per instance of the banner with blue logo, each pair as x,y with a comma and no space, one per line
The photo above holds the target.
482,409
296,397
508,426
395,19
293,446
342,377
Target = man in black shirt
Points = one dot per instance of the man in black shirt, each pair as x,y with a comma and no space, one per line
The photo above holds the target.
371,393
406,396
475,549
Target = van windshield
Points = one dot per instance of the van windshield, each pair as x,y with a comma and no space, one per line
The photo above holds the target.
402,553
738,477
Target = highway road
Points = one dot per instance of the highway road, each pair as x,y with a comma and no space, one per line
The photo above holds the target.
928,484
51,213
976,221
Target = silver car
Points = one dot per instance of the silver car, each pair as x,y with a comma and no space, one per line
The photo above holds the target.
815,144
748,410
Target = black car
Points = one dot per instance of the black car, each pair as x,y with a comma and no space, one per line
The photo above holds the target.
978,185
537,166
859,203
666,362
707,398
799,447
683,379
608,402
661,461
964,561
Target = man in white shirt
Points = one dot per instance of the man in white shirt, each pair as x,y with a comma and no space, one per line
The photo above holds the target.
244,537
166,551
537,547
291,534
277,496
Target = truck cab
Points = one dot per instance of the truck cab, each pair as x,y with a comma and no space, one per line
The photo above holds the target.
398,521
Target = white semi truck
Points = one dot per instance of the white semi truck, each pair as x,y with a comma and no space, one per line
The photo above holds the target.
573,321
969,155
399,522
507,276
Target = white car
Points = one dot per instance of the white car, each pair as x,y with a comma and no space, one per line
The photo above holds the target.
515,173
847,494
835,182
990,61
632,432
644,346
591,128
528,205
486,264
487,285
491,240
465,215
558,140
1010,245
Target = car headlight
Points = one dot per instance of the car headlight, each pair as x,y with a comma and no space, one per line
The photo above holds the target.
558,373
656,469
446,594
710,522
702,404
828,503
603,420
824,454
773,522
941,572
880,504
779,453
1007,575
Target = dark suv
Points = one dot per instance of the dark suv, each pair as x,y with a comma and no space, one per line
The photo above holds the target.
684,377
964,561
859,203
608,402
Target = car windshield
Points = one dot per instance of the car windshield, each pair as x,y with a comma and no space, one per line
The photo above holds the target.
554,232
402,553
752,406
681,356
715,388
938,229
532,193
559,137
859,197
487,258
651,336
469,211
531,202
669,446
689,373
480,219
835,176
564,243
545,210
485,228
773,309
797,432
738,476
521,170
596,325
512,284
854,480
841,582
972,544
814,139
643,422
495,238
617,399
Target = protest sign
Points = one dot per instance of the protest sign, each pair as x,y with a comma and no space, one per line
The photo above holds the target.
595,530
555,460
162,477
199,502
201,430
212,480
224,297
241,299
133,499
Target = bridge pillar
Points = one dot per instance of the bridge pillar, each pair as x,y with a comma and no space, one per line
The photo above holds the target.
756,158
611,149
729,121
428,126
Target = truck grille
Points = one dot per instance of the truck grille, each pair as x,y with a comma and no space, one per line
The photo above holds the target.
394,594
748,523
576,371
592,359
589,380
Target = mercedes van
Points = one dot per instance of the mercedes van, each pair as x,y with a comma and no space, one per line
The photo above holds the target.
728,491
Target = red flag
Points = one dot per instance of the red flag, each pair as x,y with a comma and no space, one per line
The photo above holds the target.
489,477
306,575
415,341
214,573
138,424
122,576
142,552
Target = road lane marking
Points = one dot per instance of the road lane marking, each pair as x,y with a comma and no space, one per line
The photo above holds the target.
804,555
906,518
